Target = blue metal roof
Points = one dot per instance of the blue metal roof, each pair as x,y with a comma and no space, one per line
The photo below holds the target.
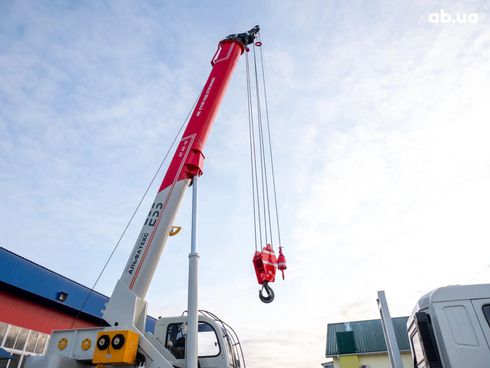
30,277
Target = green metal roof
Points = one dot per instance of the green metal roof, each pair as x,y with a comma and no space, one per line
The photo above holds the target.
368,337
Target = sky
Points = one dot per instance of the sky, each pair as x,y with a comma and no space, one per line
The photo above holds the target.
379,121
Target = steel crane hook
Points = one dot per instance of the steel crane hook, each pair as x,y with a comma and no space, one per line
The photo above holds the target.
269,297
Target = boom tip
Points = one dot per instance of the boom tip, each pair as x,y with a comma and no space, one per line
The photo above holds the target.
247,37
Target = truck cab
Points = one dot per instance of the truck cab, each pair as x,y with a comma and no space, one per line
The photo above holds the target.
218,344
450,328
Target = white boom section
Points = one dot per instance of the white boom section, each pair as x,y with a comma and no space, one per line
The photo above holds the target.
126,306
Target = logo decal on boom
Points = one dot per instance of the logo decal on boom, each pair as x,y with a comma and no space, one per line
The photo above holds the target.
153,214
137,253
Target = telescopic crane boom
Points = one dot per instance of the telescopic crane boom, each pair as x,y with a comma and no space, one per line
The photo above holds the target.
186,163
125,341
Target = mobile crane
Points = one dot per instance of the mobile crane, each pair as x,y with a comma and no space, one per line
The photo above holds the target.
174,343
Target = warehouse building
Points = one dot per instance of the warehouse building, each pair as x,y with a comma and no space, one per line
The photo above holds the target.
362,344
34,301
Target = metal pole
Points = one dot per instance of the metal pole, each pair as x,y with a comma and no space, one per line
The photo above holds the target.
389,331
192,296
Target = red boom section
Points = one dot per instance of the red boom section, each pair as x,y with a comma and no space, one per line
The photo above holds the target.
224,62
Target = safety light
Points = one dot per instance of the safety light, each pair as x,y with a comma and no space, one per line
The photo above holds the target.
61,296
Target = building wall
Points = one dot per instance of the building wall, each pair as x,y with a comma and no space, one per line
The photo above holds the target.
26,313
350,361
25,326
372,361
383,360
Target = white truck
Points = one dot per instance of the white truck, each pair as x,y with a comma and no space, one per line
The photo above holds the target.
450,328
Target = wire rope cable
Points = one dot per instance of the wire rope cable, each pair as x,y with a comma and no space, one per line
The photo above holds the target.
263,163
270,144
132,216
252,155
261,157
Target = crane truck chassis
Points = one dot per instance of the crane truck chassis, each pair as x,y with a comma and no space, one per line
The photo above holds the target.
125,342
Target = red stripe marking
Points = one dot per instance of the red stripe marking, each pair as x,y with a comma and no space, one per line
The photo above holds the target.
192,137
